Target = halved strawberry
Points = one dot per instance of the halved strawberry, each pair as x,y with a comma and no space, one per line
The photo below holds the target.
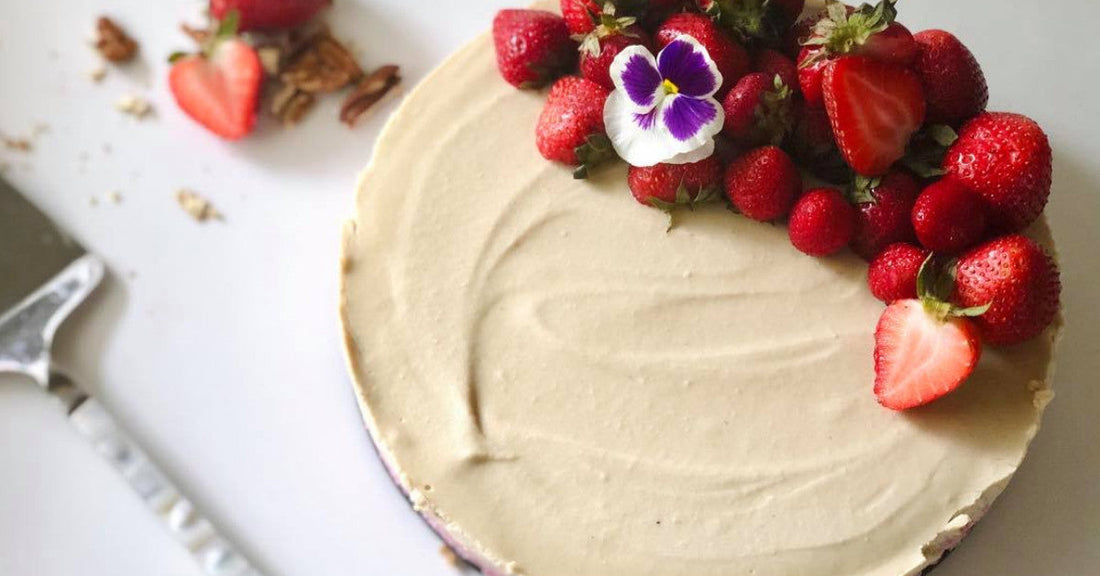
920,358
219,88
874,108
925,347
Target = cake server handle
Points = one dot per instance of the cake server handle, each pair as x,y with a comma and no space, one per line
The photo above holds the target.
214,553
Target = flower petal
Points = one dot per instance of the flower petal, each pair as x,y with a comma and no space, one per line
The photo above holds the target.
634,72
695,155
686,63
686,117
638,138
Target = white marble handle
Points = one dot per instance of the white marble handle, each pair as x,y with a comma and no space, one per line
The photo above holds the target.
214,553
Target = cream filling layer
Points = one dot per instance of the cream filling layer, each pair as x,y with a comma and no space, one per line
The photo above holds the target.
574,392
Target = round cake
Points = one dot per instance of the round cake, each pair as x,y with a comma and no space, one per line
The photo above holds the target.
563,388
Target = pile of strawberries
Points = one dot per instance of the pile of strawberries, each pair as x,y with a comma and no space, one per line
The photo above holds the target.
926,185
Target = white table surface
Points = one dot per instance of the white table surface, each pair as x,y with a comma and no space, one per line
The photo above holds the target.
218,344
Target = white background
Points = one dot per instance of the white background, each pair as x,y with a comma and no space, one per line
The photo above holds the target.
218,344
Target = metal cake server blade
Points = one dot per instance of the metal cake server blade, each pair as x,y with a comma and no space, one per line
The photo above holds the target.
44,276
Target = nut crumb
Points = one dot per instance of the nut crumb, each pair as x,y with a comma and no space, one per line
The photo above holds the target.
197,207
114,197
97,74
135,106
451,558
113,42
369,92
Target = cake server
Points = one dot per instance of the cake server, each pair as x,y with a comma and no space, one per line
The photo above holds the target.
45,275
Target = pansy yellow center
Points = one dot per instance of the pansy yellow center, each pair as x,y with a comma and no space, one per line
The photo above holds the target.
669,87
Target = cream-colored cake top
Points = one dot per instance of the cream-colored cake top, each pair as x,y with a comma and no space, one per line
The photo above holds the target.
570,391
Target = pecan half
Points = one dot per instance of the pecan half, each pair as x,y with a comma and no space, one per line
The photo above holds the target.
369,92
324,66
113,42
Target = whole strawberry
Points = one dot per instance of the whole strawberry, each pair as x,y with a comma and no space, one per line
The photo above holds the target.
730,57
570,129
1006,159
815,148
759,110
666,186
892,275
811,72
954,84
875,107
773,63
267,14
948,217
822,222
597,56
219,88
1019,282
581,16
533,47
763,184
884,208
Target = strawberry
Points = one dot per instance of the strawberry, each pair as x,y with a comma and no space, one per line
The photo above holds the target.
954,83
868,31
763,184
1006,159
581,16
759,110
892,275
1019,282
267,14
731,59
773,63
948,217
219,88
822,222
874,108
884,208
799,32
596,62
814,145
570,129
533,47
668,186
811,72
920,356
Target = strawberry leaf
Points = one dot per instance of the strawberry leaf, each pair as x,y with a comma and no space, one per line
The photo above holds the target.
926,151
863,188
596,150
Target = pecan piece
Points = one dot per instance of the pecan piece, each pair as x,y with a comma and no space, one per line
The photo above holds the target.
113,42
324,66
290,104
369,92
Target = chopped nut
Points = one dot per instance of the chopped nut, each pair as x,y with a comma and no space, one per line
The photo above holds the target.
198,35
324,66
113,42
98,73
271,58
369,92
135,106
291,104
197,207
451,558
17,144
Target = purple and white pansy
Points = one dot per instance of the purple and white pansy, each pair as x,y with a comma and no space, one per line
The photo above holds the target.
663,109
